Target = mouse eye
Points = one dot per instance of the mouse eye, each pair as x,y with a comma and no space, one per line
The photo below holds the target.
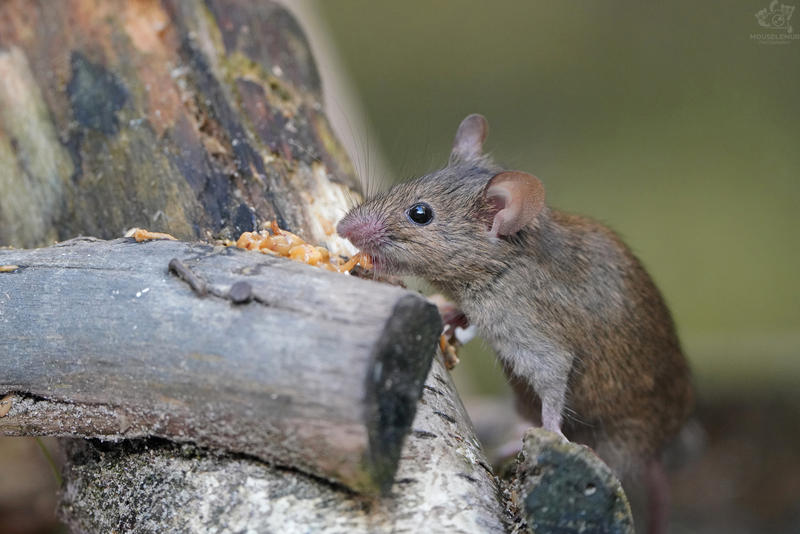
420,213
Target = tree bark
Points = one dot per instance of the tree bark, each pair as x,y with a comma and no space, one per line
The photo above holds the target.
198,118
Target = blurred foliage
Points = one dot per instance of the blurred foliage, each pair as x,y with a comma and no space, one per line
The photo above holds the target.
666,121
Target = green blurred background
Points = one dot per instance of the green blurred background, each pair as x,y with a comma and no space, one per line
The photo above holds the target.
666,121
670,122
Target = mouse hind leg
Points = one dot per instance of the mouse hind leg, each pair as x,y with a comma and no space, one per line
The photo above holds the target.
553,401
551,390
540,381
550,381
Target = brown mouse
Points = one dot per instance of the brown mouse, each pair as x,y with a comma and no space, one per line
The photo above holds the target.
582,332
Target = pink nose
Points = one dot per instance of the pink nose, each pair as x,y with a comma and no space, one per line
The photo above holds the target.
362,231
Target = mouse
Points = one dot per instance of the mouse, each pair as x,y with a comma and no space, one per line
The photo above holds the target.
583,334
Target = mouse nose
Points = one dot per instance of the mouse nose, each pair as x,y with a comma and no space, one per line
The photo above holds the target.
362,231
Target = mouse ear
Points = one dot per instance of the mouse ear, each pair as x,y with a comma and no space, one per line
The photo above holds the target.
469,138
515,199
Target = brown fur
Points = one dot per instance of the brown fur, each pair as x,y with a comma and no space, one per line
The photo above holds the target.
564,302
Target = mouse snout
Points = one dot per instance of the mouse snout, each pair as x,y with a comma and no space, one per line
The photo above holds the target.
364,231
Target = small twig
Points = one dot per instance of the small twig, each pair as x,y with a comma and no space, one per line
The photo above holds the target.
183,272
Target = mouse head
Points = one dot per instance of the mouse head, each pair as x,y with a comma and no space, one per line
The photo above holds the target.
460,218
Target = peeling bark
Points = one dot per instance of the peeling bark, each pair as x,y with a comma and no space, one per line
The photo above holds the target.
443,485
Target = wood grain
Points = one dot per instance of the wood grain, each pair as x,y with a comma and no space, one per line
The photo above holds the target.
318,371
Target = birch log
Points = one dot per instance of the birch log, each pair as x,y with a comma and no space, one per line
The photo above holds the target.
443,486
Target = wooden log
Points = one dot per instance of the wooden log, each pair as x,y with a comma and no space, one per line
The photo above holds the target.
198,118
443,486
315,370
564,487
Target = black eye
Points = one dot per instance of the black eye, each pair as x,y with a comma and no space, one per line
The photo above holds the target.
420,214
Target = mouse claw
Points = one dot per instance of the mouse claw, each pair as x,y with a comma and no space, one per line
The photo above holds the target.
452,316
448,352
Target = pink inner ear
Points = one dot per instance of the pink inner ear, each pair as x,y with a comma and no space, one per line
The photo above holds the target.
514,199
498,212
493,205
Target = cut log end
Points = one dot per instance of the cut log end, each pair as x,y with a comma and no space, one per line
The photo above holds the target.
402,361
565,487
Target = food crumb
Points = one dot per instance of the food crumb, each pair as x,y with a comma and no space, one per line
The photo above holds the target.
5,404
448,349
140,234
274,240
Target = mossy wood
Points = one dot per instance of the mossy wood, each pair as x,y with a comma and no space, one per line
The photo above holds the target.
311,369
197,118
564,487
